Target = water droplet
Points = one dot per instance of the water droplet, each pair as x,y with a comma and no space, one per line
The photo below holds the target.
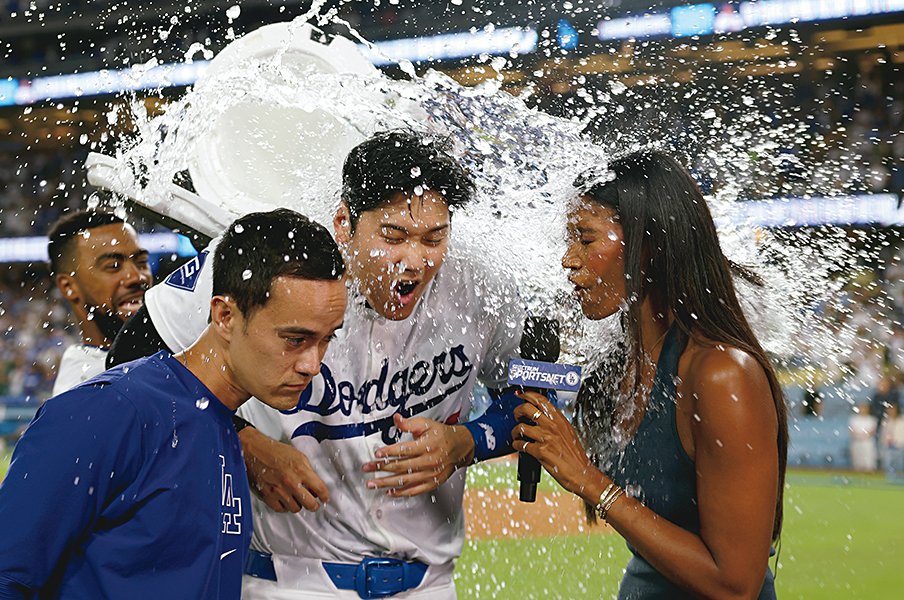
407,68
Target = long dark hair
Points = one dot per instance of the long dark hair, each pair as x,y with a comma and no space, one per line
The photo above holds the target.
672,256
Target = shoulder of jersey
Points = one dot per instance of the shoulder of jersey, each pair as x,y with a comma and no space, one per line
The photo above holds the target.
147,372
469,276
461,270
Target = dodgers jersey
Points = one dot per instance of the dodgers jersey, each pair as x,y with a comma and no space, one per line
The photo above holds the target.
464,329
130,485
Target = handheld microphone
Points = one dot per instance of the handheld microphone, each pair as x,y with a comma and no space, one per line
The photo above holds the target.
536,371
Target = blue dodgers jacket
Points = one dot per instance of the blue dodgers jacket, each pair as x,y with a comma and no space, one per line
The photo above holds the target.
131,485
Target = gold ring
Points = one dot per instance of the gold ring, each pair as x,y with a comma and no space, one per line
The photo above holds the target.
536,416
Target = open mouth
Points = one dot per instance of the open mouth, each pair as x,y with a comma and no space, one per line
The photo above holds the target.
577,288
404,290
130,305
579,291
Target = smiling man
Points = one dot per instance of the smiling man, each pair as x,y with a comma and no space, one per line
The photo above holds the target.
101,269
132,484
382,430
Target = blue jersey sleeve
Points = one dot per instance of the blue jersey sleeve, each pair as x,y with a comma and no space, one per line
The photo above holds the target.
75,460
492,431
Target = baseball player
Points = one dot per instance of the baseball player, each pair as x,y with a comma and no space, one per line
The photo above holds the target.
373,449
132,485
101,269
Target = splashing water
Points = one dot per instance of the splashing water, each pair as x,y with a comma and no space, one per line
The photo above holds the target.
523,161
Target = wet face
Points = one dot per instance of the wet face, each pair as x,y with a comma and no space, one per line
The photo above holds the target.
274,354
595,258
396,250
107,276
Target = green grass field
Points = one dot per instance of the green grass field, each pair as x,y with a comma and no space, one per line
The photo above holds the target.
843,538
4,463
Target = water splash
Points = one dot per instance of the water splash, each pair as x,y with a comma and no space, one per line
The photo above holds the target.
524,162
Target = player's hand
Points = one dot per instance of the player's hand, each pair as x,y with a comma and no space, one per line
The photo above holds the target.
281,475
547,435
424,463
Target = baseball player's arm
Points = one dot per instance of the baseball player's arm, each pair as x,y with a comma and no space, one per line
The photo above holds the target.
281,475
76,458
424,463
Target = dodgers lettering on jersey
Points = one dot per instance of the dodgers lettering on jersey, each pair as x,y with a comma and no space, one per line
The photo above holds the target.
411,391
424,366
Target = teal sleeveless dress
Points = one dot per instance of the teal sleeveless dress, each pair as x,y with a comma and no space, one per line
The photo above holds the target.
655,469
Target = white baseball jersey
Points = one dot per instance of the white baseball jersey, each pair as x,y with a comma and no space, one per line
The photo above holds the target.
464,329
78,364
179,306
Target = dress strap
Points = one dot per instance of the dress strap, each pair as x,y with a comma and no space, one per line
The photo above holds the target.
664,385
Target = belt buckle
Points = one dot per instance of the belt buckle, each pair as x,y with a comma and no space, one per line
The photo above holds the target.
368,586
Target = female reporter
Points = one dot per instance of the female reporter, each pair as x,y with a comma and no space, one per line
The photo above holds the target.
688,464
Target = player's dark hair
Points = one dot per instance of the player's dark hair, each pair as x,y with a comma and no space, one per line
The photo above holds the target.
259,247
63,232
672,256
400,161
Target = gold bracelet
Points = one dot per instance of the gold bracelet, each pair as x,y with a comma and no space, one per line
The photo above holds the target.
611,490
612,500
612,497
599,505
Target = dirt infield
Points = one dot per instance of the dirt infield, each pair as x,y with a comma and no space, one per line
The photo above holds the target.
493,514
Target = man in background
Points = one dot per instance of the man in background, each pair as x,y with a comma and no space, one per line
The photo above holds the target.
101,269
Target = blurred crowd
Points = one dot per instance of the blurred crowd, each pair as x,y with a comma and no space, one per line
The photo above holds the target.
139,34
875,307
37,186
856,123
812,133
848,407
34,329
